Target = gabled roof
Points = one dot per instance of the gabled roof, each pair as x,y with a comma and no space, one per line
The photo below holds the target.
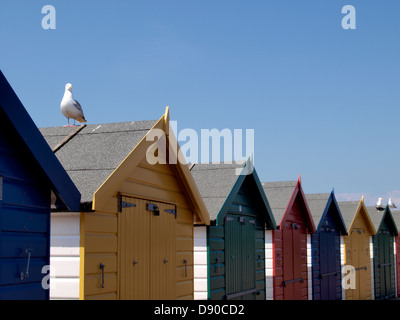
219,183
281,196
377,218
350,209
61,184
100,157
319,204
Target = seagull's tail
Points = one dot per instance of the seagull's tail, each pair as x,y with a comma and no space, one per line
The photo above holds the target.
80,119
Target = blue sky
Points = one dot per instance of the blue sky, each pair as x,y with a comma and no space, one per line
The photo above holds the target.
323,101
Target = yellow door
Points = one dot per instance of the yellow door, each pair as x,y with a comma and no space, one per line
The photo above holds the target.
163,253
147,250
360,259
364,272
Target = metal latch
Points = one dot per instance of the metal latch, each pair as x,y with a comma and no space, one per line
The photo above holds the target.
227,219
361,268
296,226
385,265
153,207
323,275
124,204
291,281
242,293
242,220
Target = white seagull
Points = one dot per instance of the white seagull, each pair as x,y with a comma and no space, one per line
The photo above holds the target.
391,204
379,205
71,108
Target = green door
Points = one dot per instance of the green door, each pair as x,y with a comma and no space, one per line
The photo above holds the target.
240,267
385,244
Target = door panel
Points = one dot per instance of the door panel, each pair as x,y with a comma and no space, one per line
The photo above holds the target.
162,254
294,261
385,265
240,256
288,262
134,224
328,265
147,251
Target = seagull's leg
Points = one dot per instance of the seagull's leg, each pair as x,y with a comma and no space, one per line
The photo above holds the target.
67,125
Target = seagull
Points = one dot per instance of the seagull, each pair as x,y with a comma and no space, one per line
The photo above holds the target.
379,205
71,108
391,204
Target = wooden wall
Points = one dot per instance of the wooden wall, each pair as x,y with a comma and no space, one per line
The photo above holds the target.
154,182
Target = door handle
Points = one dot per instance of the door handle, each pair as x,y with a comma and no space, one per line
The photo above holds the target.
25,274
102,266
217,260
185,262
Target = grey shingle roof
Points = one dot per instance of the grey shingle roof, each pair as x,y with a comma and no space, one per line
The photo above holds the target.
396,218
215,182
317,203
376,217
348,210
279,194
96,151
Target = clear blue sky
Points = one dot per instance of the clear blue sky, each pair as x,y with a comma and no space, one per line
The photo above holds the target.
323,101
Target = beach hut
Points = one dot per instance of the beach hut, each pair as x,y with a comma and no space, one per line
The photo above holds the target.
30,177
396,218
384,252
358,250
291,242
326,246
133,236
230,253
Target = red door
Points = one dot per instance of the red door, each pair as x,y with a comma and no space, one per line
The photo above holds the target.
294,261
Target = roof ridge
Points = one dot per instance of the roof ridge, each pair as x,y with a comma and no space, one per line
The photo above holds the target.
67,138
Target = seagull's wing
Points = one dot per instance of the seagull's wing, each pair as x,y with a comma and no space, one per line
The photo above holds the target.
78,106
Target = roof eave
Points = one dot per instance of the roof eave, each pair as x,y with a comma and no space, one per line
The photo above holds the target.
60,182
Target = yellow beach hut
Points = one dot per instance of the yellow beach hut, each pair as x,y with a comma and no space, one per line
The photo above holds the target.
358,251
133,236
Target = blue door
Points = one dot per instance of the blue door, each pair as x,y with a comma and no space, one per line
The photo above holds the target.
328,238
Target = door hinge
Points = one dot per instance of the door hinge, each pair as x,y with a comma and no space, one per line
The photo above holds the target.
171,211
252,221
124,204
227,219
